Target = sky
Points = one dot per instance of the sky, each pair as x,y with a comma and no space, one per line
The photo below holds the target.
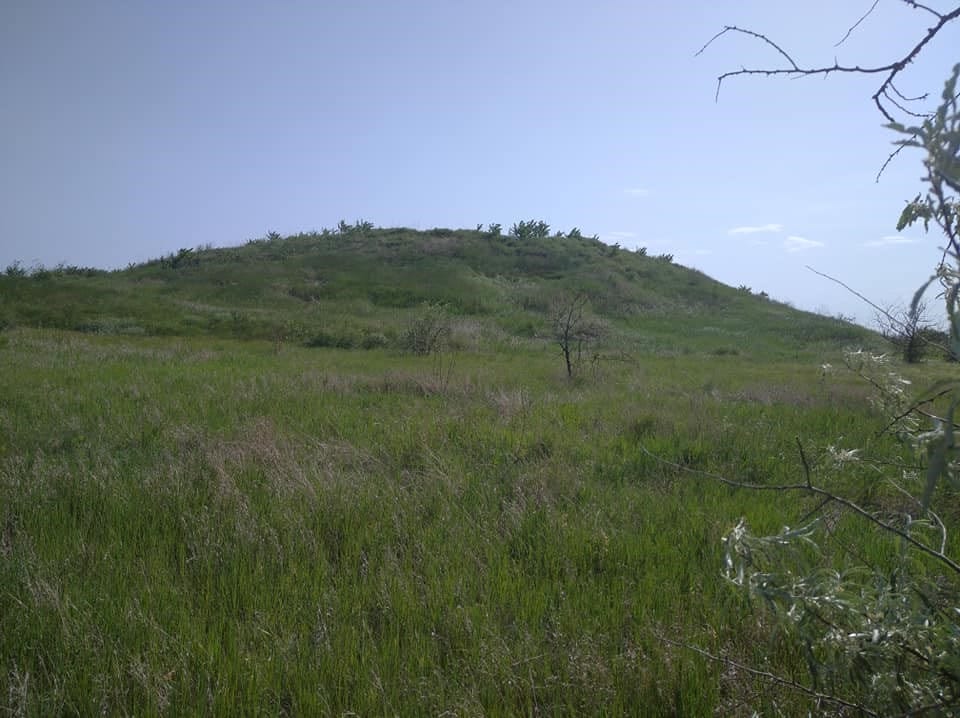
132,128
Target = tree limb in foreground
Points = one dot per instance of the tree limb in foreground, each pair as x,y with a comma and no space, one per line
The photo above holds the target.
886,94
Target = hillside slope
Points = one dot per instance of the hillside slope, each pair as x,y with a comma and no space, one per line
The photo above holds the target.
361,286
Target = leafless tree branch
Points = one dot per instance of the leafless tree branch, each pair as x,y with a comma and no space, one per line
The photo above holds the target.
759,36
891,70
886,315
915,408
854,26
888,161
897,103
919,6
822,493
903,97
772,677
852,291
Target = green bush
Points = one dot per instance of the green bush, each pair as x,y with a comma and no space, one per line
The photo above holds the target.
332,340
534,229
375,340
15,269
428,332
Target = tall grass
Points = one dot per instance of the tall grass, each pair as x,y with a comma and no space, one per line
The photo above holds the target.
207,526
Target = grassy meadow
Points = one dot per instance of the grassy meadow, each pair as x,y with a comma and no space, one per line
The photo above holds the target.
220,495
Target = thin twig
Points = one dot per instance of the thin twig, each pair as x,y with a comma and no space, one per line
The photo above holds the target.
889,160
854,292
915,407
903,97
854,26
803,460
904,110
751,33
815,510
772,677
936,518
918,6
817,491
894,322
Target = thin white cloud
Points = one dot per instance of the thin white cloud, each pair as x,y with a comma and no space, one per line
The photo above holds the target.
637,191
889,241
800,244
755,229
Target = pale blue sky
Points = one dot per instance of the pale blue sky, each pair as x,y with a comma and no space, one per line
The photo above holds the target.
129,129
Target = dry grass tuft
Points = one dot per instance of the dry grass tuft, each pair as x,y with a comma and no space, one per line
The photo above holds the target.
509,403
291,466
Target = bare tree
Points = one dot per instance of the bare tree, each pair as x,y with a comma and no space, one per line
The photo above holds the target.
572,329
908,329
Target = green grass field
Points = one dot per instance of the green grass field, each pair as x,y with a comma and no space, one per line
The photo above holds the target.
201,518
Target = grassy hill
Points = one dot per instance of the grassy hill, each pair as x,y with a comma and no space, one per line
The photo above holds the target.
361,287
227,489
